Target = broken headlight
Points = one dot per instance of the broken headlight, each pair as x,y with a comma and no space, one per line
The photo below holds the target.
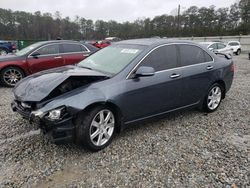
56,114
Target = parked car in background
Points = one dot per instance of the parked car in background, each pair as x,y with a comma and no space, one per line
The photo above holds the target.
41,56
113,39
122,84
236,46
218,47
7,47
102,43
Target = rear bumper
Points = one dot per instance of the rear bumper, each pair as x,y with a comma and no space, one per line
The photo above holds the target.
228,79
57,131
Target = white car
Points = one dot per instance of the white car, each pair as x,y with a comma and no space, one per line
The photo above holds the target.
218,47
236,46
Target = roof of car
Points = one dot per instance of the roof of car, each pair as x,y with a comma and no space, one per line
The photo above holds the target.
206,42
57,41
152,41
234,41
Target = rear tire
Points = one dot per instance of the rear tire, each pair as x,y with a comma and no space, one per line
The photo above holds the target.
10,76
213,98
95,128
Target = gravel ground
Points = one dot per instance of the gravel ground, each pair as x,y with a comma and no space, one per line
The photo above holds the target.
185,149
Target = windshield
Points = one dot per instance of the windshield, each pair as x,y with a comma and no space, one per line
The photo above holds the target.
28,49
112,59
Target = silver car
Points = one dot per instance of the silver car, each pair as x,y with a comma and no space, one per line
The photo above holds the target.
218,47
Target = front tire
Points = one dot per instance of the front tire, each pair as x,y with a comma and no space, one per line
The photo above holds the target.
95,128
10,76
213,98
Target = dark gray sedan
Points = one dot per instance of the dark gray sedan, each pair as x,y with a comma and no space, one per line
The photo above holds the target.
124,83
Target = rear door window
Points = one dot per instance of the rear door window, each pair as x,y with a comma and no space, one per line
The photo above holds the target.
162,58
191,55
69,48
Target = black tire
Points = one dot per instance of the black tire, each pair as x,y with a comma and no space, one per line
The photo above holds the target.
238,52
17,71
83,128
3,51
207,100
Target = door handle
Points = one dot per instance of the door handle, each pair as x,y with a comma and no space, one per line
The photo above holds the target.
210,67
175,75
58,57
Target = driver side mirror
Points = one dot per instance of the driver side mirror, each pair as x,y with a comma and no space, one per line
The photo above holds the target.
144,71
35,55
211,49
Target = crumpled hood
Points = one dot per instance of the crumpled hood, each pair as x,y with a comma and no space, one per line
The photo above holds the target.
10,58
36,87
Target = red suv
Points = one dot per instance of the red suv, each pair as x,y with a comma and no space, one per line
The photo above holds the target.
41,56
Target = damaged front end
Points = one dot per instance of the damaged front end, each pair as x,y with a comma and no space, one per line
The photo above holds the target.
33,96
57,124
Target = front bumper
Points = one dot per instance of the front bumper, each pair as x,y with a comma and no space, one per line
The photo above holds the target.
57,131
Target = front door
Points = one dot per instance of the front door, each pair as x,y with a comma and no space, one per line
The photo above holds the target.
148,96
44,58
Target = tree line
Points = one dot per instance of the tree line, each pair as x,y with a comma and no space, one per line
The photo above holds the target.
194,21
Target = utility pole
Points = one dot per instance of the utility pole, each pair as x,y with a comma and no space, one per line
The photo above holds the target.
178,20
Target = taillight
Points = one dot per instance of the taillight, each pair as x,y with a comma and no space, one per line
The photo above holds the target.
232,67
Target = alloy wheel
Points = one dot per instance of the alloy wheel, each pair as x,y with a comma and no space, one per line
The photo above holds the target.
102,127
11,76
214,98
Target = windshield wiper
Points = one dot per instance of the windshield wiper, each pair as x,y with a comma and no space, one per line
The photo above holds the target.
107,73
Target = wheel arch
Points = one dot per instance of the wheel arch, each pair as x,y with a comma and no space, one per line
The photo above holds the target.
222,83
15,66
116,110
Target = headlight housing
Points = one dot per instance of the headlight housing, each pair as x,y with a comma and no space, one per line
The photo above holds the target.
56,114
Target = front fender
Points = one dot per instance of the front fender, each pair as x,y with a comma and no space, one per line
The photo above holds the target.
76,102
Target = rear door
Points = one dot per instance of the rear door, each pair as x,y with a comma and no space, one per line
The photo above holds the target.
73,53
46,57
198,67
147,96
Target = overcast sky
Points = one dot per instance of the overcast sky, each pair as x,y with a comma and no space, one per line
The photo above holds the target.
119,10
